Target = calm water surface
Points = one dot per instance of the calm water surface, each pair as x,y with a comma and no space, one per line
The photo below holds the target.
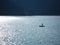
25,30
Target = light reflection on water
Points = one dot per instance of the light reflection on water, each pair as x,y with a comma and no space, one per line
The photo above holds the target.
28,32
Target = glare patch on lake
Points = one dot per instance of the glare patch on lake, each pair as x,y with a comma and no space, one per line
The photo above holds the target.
10,18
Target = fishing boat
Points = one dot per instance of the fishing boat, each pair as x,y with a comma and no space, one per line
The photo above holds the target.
41,25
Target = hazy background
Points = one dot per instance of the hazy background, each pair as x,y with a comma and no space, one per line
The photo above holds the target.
29,7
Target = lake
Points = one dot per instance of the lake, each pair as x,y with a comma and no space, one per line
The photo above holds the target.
25,30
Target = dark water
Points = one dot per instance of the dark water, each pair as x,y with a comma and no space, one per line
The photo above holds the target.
26,31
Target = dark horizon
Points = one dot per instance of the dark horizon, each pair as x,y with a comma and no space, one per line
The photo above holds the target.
29,7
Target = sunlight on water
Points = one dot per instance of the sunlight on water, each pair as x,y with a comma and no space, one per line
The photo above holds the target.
26,31
10,18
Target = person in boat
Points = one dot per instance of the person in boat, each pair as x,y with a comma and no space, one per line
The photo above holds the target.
41,25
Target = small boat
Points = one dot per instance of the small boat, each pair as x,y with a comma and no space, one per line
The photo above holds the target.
41,25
